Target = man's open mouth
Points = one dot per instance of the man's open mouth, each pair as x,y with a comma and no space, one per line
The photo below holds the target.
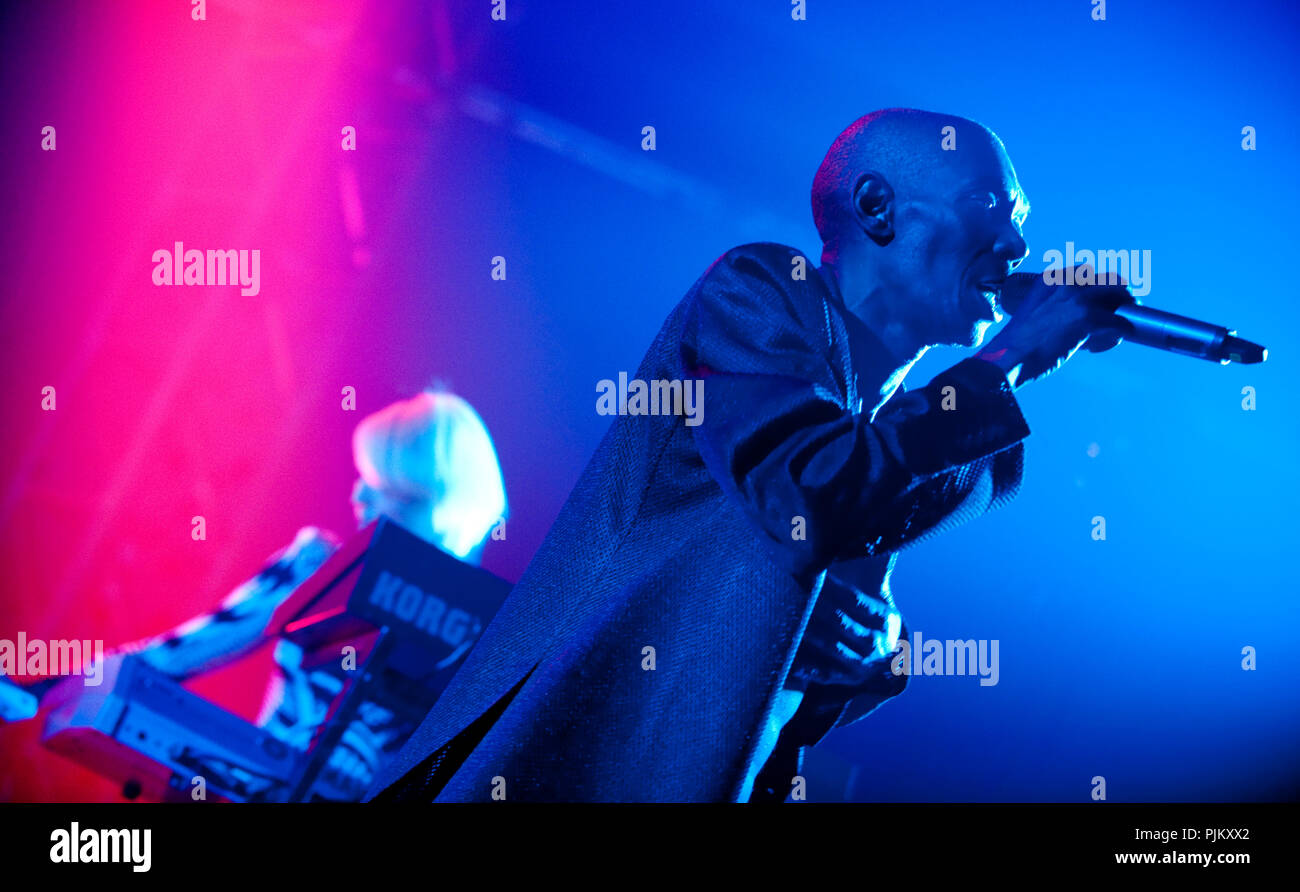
991,291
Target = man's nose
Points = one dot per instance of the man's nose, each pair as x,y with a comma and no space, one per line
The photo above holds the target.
1011,246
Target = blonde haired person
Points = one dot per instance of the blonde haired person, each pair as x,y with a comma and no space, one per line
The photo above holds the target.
428,464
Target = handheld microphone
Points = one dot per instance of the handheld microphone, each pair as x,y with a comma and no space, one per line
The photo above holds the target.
1156,328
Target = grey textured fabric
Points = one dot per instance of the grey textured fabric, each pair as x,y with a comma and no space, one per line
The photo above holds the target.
679,538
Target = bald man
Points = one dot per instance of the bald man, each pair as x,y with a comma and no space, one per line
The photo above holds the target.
714,597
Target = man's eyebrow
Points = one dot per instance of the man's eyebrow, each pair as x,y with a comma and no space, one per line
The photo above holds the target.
1016,195
1022,202
1019,199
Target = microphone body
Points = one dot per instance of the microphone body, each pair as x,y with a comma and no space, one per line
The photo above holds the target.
1156,328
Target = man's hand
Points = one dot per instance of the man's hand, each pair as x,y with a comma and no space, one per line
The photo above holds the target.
1053,322
850,639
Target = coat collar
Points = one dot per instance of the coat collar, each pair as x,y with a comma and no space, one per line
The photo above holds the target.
875,367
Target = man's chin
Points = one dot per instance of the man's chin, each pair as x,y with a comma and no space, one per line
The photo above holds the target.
978,331
982,315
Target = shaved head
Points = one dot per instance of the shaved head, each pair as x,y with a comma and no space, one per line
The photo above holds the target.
903,145
920,215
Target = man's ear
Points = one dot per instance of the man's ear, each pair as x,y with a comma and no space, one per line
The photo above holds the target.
873,206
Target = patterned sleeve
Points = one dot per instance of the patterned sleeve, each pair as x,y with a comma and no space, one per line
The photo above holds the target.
240,624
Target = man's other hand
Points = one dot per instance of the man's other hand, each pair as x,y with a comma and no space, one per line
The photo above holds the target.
850,639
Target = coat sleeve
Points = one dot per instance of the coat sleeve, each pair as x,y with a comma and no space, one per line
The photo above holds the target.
820,479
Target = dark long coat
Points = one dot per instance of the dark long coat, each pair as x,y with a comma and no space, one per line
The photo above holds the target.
683,538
